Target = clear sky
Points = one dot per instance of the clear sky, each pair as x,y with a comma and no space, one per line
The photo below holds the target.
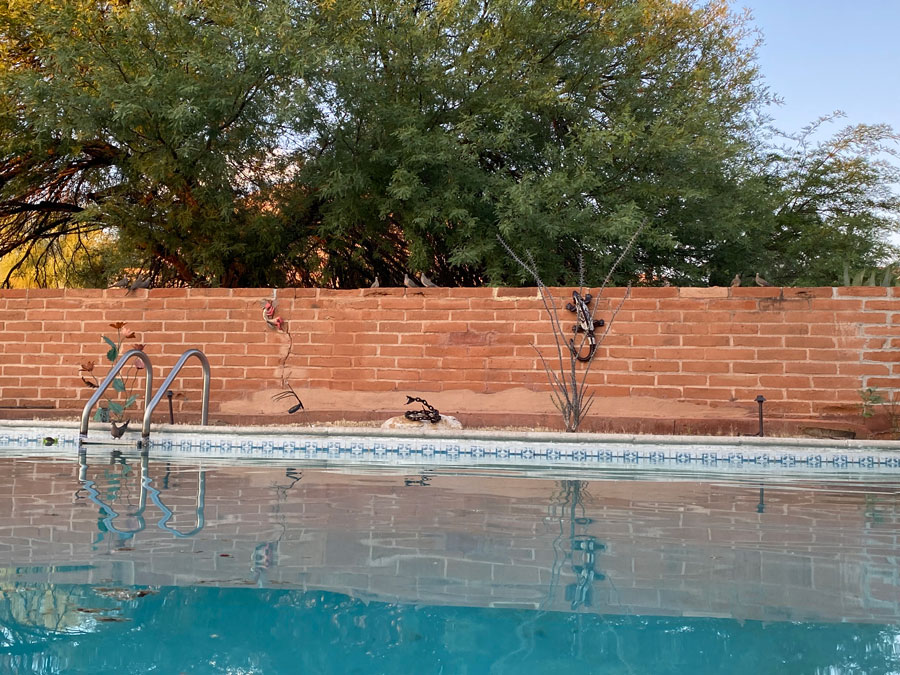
826,55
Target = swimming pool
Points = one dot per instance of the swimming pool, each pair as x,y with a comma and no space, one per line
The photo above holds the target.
185,562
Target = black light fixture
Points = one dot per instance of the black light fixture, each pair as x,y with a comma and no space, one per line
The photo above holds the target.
760,400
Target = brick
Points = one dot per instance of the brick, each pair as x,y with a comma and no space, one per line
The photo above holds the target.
707,393
810,368
705,367
883,382
785,329
887,357
712,292
681,380
785,381
656,340
821,292
631,379
517,293
657,392
654,366
707,341
733,380
757,367
862,291
749,292
782,354
646,292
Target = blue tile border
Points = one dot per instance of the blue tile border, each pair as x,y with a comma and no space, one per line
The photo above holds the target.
402,450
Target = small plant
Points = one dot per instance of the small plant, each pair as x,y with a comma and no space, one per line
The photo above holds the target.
870,398
114,411
873,400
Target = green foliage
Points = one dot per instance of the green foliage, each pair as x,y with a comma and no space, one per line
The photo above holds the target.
291,142
535,121
876,277
828,204
152,120
871,398
874,400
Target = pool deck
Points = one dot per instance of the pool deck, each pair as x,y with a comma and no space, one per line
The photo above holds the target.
627,423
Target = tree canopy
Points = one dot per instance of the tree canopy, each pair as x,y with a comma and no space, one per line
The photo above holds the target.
292,142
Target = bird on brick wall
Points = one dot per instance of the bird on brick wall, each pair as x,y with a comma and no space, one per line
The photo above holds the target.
139,282
737,280
121,283
376,283
116,431
408,282
760,281
426,281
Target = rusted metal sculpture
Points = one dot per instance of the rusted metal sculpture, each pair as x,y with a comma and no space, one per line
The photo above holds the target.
428,413
289,393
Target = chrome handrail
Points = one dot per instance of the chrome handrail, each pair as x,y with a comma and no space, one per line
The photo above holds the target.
112,514
101,389
163,523
204,413
146,488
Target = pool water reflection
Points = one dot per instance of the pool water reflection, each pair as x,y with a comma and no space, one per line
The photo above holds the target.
285,568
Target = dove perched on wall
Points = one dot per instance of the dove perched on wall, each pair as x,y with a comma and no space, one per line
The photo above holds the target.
139,282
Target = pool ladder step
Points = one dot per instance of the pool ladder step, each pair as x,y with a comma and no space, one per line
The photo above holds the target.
149,403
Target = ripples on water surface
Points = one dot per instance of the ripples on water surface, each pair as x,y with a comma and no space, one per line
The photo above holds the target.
112,566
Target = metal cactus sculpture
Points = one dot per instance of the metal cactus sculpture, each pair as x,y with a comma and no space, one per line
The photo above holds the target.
568,386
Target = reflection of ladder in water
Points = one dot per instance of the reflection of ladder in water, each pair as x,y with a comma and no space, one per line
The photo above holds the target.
111,514
149,404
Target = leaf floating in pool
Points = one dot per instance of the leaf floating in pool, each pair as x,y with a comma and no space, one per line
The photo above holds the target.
124,594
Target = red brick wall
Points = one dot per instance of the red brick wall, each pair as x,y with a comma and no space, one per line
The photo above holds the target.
809,349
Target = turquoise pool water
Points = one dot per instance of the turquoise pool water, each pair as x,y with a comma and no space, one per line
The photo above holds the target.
114,565
228,630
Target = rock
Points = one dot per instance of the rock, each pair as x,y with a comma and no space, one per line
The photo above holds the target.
400,422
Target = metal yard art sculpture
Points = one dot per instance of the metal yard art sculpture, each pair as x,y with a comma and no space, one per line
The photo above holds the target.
586,324
568,387
428,413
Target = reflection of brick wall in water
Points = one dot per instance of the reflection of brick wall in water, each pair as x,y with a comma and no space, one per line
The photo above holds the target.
810,350
673,548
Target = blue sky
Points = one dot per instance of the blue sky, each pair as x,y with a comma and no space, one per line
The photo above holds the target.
826,55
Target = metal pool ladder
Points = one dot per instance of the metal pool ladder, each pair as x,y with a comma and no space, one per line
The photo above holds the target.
149,404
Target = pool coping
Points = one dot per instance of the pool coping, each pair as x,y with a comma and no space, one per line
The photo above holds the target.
473,435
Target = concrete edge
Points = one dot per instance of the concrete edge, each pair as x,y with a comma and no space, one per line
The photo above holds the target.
487,435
